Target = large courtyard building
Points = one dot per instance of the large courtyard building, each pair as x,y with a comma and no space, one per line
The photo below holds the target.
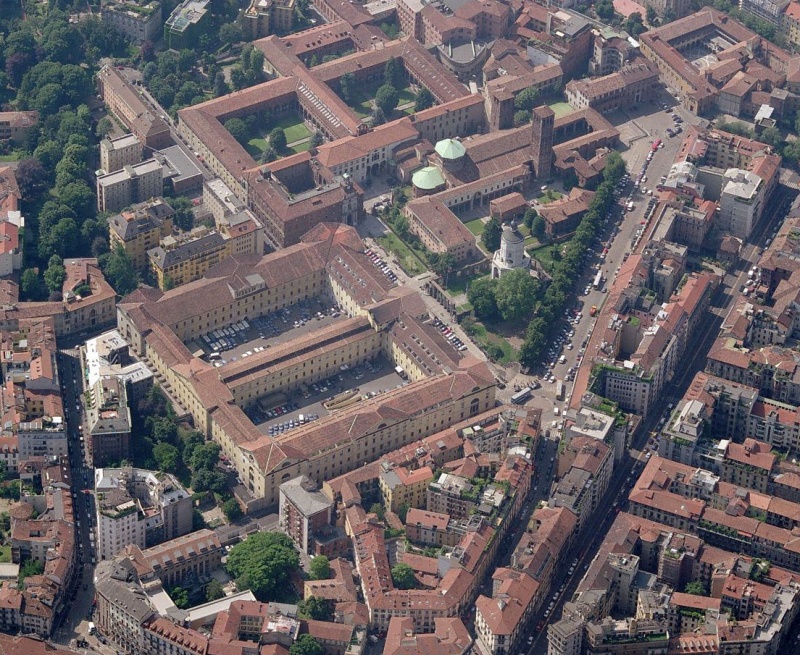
381,320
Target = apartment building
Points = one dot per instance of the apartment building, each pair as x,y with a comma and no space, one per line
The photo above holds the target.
265,17
140,229
137,21
501,620
139,507
186,257
303,510
123,100
182,28
439,229
108,421
119,152
133,184
401,487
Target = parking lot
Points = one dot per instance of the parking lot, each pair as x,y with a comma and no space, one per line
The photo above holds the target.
249,336
345,389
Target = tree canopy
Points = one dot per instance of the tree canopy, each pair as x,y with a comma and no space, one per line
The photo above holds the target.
403,576
481,295
315,608
277,139
517,293
320,568
263,563
424,99
306,645
492,234
386,99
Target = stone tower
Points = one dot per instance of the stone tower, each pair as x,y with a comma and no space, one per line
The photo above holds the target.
542,141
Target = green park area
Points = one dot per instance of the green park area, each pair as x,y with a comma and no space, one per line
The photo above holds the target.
408,260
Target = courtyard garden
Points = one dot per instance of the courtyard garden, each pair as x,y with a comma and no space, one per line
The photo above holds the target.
384,99
267,137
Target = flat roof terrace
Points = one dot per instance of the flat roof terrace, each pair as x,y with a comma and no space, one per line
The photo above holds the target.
347,388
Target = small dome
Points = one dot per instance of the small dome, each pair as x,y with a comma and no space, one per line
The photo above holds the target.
450,149
428,178
512,235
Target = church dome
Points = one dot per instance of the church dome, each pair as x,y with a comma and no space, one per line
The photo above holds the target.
450,149
428,178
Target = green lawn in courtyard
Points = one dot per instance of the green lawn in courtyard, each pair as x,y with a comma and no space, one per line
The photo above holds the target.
561,109
361,103
476,226
293,127
5,554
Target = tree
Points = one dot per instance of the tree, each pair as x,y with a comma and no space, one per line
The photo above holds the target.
615,167
521,117
481,295
205,480
205,456
31,177
317,139
54,274
651,16
119,271
492,234
31,286
180,597
526,99
517,292
377,509
220,85
320,568
230,33
403,576
190,442
696,589
306,645
166,456
238,129
442,263
394,74
538,227
263,563
378,117
634,25
386,99
348,86
317,609
184,214
78,197
424,99
214,591
105,126
771,136
604,9
277,139
232,510
29,568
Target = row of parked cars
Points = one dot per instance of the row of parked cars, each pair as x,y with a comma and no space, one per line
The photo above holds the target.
227,338
451,336
375,258
294,422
